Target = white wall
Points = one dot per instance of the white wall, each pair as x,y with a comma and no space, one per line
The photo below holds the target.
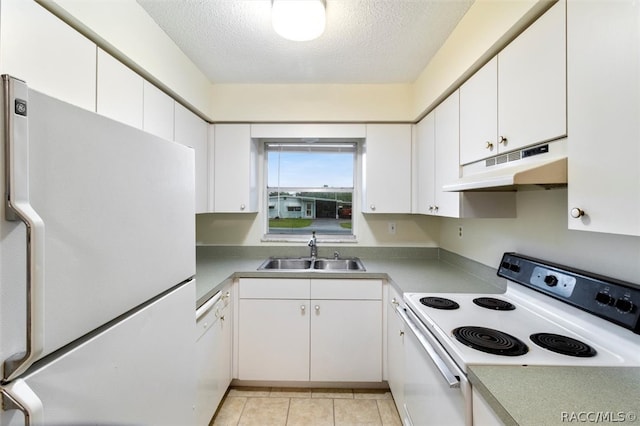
370,230
311,102
540,230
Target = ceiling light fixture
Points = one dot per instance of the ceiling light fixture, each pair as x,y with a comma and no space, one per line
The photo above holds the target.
298,20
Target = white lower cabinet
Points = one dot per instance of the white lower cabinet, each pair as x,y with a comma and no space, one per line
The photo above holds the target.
213,357
346,341
395,350
273,339
482,412
310,330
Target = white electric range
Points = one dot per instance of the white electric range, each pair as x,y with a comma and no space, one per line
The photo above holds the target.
549,315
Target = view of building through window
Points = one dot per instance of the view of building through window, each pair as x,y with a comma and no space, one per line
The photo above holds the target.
310,187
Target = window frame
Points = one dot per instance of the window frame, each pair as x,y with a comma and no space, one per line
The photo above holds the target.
355,193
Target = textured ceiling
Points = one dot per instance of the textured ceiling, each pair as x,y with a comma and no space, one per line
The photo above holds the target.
365,41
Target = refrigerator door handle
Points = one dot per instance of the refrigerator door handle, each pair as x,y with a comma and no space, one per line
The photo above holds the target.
19,396
18,208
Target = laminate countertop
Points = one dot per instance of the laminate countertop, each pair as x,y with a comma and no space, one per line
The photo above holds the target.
541,396
409,270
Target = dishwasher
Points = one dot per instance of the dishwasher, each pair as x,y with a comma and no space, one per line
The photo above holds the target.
213,355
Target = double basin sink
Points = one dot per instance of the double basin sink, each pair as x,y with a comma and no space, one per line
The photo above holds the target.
314,264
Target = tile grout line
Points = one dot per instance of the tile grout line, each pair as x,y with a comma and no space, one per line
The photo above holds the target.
333,405
379,413
242,410
286,418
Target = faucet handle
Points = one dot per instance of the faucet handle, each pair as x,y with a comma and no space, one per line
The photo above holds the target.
336,255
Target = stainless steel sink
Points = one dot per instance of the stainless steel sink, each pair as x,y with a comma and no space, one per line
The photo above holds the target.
349,264
286,263
307,263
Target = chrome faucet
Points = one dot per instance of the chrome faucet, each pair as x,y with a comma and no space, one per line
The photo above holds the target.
313,243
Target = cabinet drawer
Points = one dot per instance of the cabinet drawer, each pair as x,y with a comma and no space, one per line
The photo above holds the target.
274,288
346,289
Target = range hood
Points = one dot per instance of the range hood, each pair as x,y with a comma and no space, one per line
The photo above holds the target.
537,166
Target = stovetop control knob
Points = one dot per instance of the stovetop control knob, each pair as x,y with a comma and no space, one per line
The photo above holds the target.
624,305
604,298
551,280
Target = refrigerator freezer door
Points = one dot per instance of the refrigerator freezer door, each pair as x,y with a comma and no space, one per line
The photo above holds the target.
138,371
118,211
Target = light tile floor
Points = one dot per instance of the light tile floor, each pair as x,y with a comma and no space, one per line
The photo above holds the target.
306,407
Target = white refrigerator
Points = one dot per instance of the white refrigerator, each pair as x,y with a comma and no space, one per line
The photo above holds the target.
97,265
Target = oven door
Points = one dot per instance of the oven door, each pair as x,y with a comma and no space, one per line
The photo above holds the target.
436,391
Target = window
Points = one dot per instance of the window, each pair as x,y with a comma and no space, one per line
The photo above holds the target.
310,187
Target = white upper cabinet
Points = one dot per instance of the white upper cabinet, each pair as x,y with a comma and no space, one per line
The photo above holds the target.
447,155
532,83
425,144
52,57
235,158
437,149
387,169
192,131
119,91
157,112
518,98
604,109
479,114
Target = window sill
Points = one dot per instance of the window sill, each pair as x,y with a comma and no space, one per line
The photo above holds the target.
322,238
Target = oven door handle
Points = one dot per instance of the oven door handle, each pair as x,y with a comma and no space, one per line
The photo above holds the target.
443,368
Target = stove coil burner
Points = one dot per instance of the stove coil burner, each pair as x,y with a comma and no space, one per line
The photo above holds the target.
490,341
439,303
493,303
563,345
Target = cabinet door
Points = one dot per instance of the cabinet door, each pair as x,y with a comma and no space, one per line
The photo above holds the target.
52,57
235,169
387,174
604,106
482,412
532,79
157,112
395,350
221,359
192,131
425,147
346,342
273,339
479,114
447,158
119,91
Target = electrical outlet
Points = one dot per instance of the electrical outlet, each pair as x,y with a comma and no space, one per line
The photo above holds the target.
392,228
459,231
